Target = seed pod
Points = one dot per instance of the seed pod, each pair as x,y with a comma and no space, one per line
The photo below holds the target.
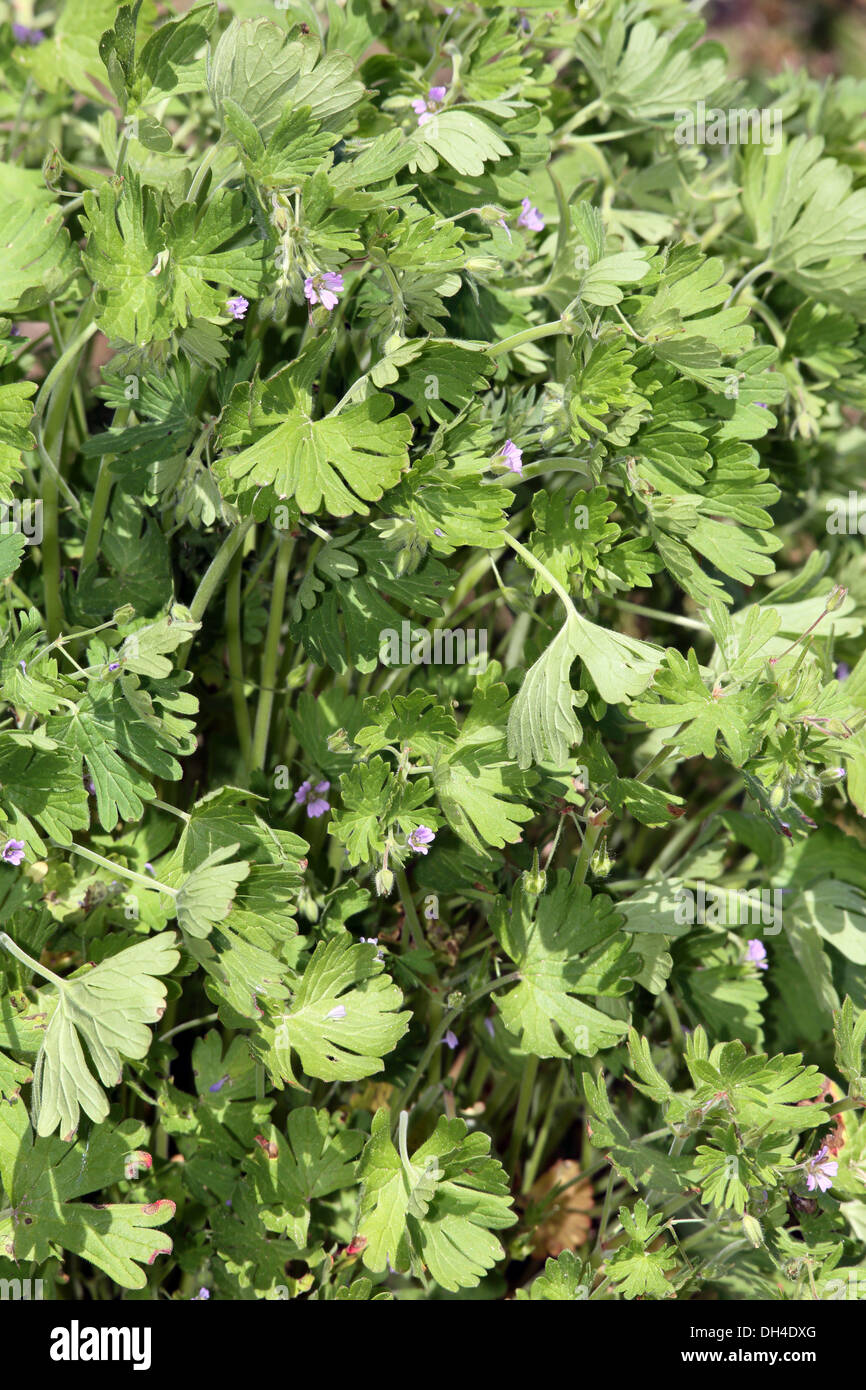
601,862
534,879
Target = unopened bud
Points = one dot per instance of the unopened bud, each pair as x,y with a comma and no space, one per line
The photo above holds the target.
384,882
338,741
489,213
830,775
752,1230
52,167
778,797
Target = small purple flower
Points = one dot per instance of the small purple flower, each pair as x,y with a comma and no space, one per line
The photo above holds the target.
419,839
237,306
23,34
510,456
489,1025
820,1171
218,1085
201,1297
319,803
338,1012
114,665
438,532
424,110
13,852
843,671
451,1040
323,288
23,665
757,953
530,217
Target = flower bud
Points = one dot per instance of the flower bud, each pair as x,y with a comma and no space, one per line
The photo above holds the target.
831,775
752,1230
489,213
52,167
779,796
836,598
384,883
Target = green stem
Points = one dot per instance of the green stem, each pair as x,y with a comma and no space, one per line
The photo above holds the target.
101,495
216,570
55,394
530,335
537,1154
656,613
410,915
199,178
749,277
190,1023
152,884
271,655
587,850
235,647
534,563
8,944
524,1100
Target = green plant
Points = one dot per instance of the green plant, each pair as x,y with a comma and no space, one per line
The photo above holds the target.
433,734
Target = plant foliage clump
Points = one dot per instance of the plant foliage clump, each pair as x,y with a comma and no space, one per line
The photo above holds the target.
432,661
